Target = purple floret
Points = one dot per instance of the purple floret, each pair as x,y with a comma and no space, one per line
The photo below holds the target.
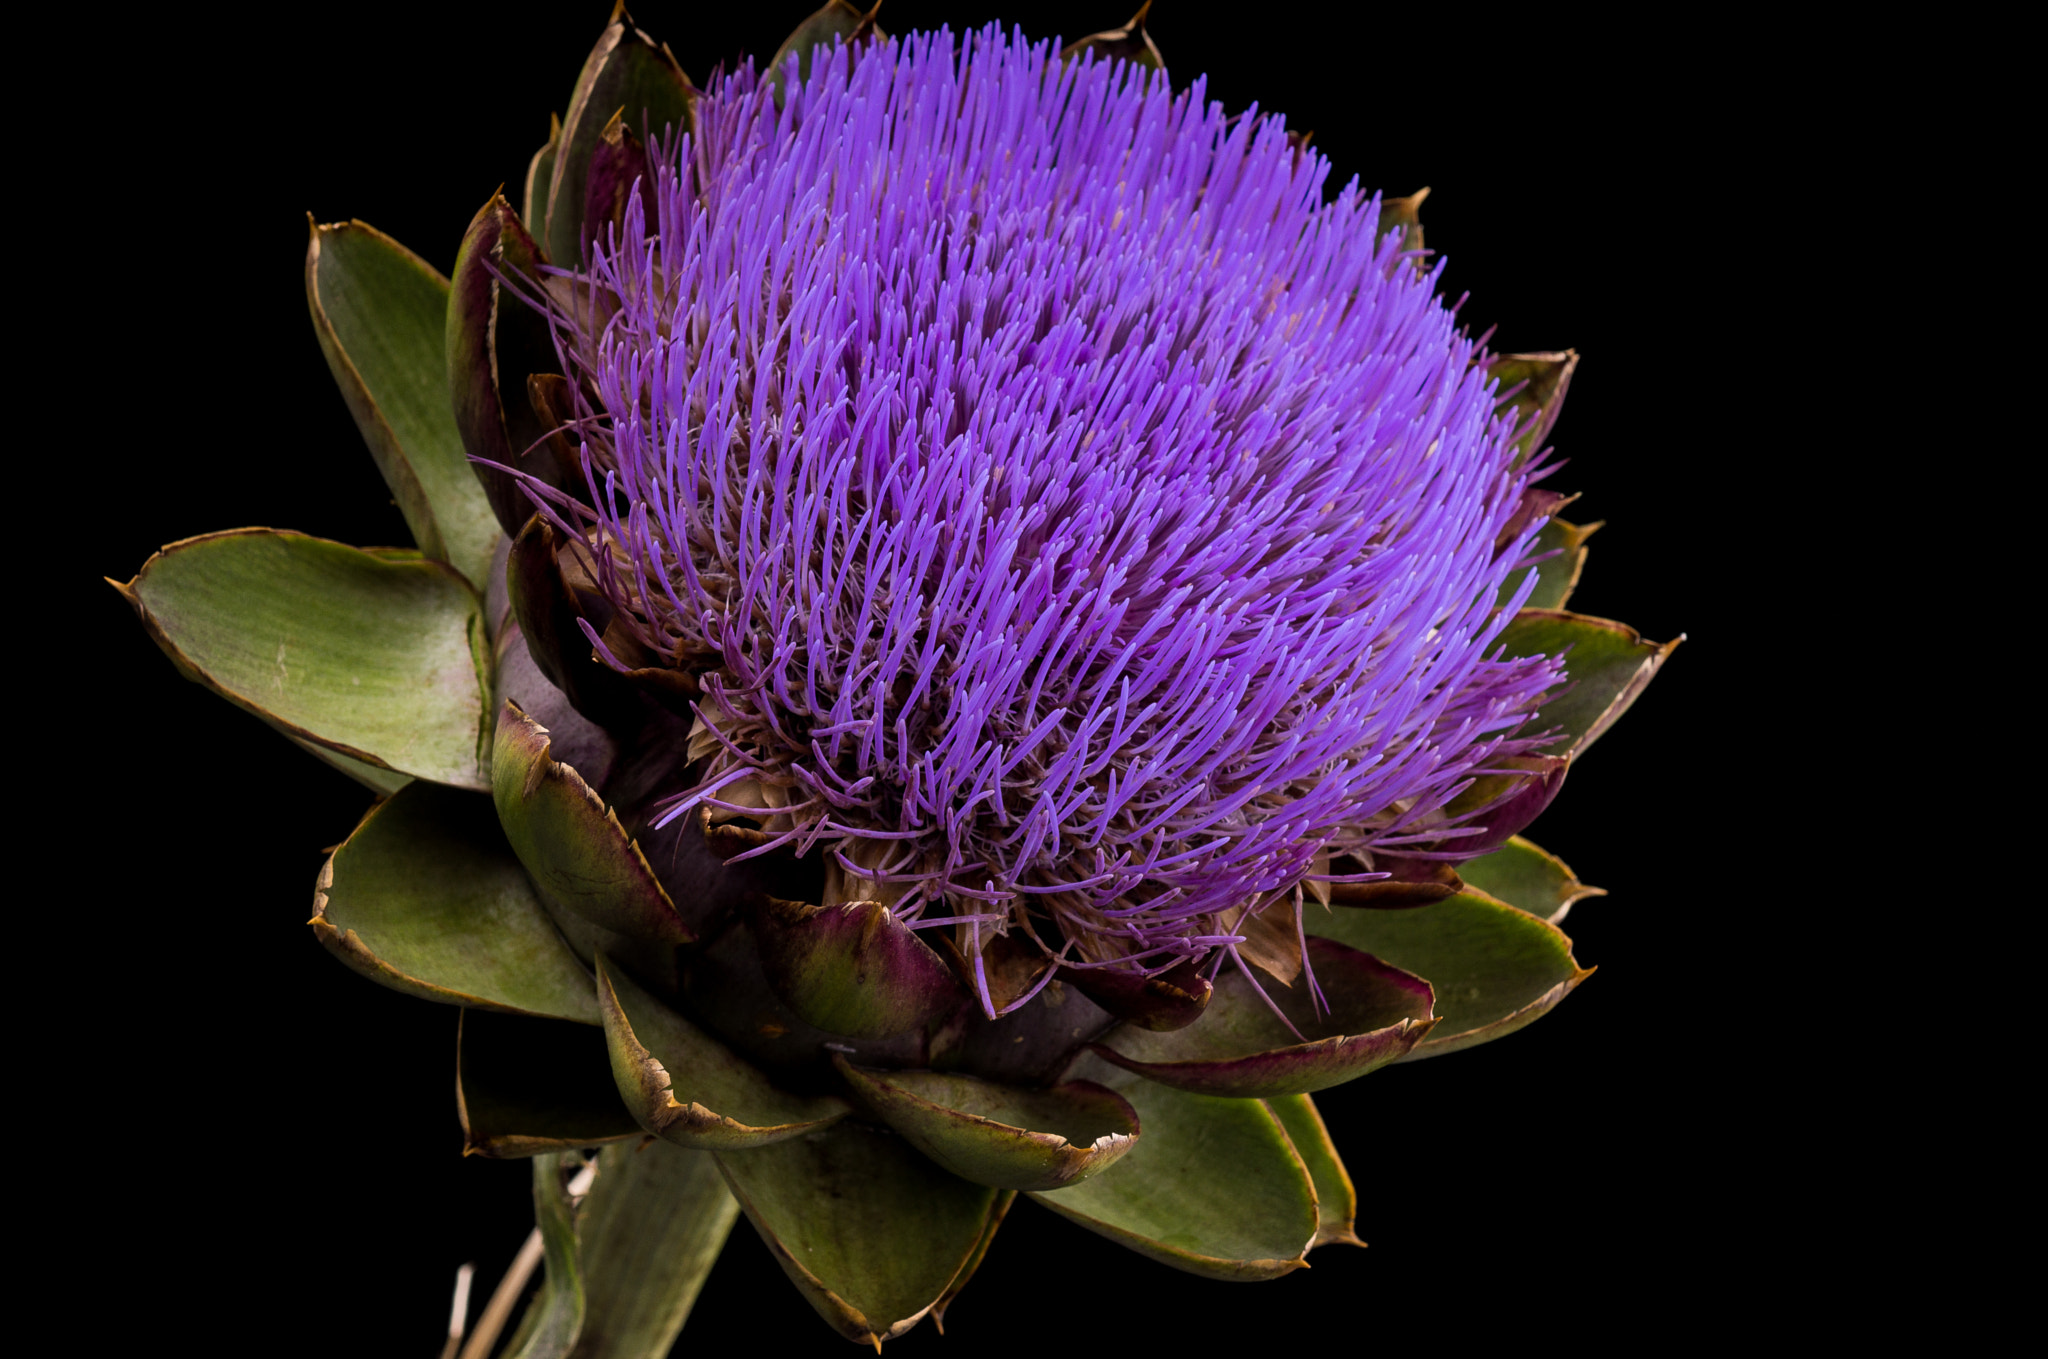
1088,526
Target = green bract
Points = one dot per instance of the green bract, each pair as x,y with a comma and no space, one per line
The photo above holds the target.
735,1036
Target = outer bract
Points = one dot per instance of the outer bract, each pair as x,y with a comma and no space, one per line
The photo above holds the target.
1020,632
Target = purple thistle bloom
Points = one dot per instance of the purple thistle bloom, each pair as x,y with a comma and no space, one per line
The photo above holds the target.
1084,529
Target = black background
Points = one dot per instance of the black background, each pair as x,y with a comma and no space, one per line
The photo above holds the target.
277,1142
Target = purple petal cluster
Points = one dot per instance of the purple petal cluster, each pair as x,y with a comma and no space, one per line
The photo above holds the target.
1088,526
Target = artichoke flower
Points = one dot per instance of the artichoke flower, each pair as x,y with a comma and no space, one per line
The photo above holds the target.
976,628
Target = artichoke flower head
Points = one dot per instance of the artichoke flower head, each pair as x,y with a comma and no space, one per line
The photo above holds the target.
977,628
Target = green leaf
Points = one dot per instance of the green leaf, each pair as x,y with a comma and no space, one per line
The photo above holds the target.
649,1237
1240,1048
999,1135
1558,576
870,1231
626,74
571,842
379,661
837,19
526,1086
1608,665
1336,1200
1526,876
380,313
1495,969
554,1318
1213,1187
425,897
686,1086
638,1248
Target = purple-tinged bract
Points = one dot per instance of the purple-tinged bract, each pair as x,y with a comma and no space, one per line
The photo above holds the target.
1079,526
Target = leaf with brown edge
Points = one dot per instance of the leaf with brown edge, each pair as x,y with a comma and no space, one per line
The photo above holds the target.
1242,1049
382,782
494,342
1129,43
1174,999
1514,796
1405,216
427,898
1336,1199
626,74
539,171
548,606
553,405
728,838
1537,505
1007,967
381,661
996,1213
571,842
527,1086
1527,876
1538,383
870,1231
380,313
1269,937
617,163
1027,1046
727,993
686,1087
855,969
1607,666
1007,1137
1494,968
655,965
653,677
572,738
1409,883
1562,546
1214,1187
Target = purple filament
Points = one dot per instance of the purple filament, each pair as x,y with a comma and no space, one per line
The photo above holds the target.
1057,486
